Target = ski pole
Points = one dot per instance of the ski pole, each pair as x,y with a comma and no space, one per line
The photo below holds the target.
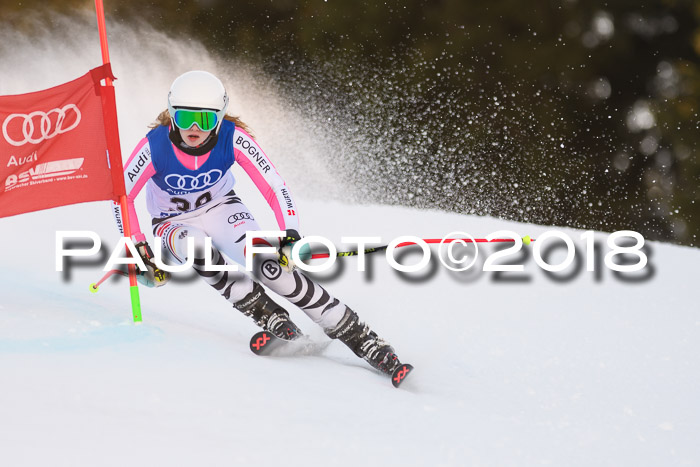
95,286
526,241
142,279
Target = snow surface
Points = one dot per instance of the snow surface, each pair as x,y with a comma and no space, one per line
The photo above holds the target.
592,371
539,373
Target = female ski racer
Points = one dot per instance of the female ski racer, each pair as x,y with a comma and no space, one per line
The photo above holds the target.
184,164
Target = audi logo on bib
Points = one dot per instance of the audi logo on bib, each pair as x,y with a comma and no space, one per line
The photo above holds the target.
194,182
38,126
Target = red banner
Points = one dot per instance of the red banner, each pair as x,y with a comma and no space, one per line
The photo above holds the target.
54,146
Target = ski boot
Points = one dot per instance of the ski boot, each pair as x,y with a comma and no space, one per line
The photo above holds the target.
267,314
365,343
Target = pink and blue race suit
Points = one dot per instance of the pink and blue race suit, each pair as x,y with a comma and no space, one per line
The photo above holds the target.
192,196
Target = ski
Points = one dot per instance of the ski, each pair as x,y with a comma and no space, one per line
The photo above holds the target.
264,343
398,376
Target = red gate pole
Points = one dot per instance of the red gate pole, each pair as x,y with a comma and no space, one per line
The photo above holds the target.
113,145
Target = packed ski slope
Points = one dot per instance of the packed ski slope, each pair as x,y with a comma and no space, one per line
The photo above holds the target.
511,370
577,373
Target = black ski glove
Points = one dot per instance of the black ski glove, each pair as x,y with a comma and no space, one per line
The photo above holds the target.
284,252
153,274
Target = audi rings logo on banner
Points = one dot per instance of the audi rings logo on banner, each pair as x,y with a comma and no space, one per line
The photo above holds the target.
192,182
47,127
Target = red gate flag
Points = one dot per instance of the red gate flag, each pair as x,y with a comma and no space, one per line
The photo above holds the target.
54,146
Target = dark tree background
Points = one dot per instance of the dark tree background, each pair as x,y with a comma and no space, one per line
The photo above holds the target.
568,112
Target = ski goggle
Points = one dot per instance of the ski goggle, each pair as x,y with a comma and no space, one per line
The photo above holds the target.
206,120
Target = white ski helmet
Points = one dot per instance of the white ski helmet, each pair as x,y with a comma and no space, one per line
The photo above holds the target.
198,90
